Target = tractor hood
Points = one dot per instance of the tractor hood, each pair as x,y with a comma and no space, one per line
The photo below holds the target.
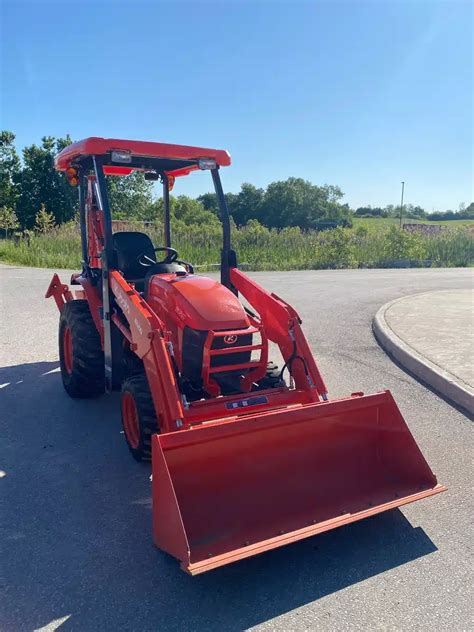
196,301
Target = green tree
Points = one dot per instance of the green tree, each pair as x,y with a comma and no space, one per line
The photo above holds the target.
9,170
209,201
297,202
467,212
185,210
8,219
410,211
332,193
392,211
247,204
232,204
191,211
44,221
417,212
40,183
130,197
368,211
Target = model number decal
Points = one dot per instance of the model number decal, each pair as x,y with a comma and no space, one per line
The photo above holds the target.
120,298
243,403
138,326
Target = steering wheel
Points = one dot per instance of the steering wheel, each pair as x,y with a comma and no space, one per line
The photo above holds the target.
147,262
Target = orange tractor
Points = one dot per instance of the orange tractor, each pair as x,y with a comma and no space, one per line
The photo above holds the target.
245,457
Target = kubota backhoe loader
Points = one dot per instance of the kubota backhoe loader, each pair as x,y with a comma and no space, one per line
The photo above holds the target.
242,460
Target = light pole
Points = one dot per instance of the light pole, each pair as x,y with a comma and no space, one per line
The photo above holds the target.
401,205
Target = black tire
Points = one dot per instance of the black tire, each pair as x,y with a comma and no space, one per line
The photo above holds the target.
138,416
80,354
272,379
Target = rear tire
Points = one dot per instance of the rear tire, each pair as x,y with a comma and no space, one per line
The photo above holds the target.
80,353
138,416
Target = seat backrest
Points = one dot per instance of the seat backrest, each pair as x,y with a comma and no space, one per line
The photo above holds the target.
128,246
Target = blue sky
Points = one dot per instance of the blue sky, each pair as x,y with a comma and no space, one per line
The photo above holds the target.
358,94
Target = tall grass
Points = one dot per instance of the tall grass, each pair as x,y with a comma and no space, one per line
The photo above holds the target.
263,249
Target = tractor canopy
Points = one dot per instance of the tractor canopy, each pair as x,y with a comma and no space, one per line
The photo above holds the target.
121,157
88,161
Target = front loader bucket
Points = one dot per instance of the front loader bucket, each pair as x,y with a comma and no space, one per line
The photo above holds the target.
227,490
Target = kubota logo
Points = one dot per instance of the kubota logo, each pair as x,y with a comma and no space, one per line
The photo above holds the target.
229,340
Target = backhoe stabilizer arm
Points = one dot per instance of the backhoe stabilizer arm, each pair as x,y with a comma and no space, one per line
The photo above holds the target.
59,291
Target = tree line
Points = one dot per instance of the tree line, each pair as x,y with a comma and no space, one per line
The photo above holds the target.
416,212
34,195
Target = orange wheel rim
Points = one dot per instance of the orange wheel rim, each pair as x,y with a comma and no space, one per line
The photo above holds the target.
131,425
67,349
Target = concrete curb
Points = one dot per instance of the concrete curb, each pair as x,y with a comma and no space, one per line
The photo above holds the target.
434,376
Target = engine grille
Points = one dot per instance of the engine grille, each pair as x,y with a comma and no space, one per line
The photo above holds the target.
192,355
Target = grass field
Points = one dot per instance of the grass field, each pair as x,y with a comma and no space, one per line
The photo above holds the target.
371,243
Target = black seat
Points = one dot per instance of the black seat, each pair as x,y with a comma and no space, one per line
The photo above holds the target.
128,247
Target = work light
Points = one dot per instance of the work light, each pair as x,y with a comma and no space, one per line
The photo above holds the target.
121,155
206,163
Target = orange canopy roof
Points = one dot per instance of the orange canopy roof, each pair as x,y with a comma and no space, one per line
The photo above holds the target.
168,153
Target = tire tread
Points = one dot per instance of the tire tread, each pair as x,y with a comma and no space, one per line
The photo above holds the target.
137,386
87,377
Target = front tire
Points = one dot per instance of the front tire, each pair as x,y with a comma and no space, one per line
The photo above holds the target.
138,416
272,379
80,353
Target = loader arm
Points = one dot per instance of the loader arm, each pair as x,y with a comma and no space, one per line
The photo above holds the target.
148,339
282,326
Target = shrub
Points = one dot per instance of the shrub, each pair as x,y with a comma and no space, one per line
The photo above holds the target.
44,221
401,244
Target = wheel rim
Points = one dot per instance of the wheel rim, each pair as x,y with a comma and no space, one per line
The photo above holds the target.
67,349
131,425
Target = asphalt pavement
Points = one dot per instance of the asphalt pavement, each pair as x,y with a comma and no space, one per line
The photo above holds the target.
76,546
